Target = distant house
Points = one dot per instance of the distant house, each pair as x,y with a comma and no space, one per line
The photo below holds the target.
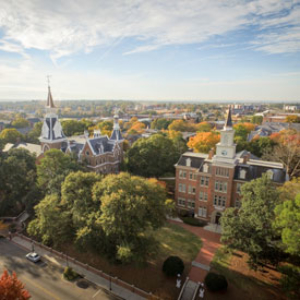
207,184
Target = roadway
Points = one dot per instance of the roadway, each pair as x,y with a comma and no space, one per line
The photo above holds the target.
44,280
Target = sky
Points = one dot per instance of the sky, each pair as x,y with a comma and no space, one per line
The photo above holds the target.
189,50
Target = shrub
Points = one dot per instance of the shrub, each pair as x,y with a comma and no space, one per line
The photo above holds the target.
173,265
215,282
193,221
70,274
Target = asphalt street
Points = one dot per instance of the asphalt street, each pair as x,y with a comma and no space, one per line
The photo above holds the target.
44,280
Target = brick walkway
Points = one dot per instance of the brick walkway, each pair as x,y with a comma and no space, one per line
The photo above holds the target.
211,242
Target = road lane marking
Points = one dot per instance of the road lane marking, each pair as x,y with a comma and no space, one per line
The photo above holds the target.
41,288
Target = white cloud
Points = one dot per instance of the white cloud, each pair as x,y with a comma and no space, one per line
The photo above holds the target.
64,27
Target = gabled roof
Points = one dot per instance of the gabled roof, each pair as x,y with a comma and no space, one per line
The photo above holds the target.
101,145
116,136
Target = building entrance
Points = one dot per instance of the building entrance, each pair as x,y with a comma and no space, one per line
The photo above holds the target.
218,216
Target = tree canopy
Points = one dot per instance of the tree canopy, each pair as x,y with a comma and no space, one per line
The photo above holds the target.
11,135
250,228
54,168
109,215
17,179
204,141
153,156
12,288
20,123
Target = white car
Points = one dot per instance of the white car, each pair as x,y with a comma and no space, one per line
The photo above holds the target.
32,256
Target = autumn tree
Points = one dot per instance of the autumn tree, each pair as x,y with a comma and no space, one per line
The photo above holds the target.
11,288
292,119
287,151
181,125
243,129
204,141
203,127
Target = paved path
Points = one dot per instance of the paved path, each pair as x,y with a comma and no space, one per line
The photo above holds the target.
211,242
98,280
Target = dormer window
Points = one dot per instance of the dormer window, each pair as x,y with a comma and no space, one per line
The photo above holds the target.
205,168
270,174
243,174
188,162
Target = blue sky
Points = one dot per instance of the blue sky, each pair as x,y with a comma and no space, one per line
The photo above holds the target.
236,50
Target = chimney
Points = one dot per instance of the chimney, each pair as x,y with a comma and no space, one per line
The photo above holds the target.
211,153
246,158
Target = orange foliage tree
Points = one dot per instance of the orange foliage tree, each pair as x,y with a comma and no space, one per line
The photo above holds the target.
138,127
204,141
12,288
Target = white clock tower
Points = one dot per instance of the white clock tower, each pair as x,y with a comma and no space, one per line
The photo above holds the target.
226,149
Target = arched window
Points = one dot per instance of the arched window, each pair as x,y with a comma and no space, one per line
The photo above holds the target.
270,174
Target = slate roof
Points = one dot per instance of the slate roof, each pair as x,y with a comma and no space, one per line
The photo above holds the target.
101,144
254,172
116,135
196,162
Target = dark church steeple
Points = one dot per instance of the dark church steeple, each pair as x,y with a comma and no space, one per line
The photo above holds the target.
228,122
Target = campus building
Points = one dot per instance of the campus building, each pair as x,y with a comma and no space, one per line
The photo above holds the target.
207,184
100,153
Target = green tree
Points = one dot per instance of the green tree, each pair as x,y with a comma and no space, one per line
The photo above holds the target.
17,179
250,229
33,135
130,206
54,168
257,120
288,223
11,135
53,223
20,123
72,127
152,157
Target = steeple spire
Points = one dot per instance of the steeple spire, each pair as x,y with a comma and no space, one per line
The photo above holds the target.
228,123
50,102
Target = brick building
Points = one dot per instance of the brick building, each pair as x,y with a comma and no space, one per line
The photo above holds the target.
102,154
206,184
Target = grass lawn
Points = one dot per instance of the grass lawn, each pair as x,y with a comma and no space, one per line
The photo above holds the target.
173,240
243,282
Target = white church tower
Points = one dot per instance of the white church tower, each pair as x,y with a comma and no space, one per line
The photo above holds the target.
52,135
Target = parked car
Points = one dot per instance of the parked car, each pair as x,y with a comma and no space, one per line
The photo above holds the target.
33,256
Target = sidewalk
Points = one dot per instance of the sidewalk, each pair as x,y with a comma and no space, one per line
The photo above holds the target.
211,242
91,276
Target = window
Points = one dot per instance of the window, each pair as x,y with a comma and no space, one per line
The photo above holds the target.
222,172
204,181
188,162
202,211
181,187
238,187
191,203
237,203
181,201
182,174
87,153
203,196
192,189
191,176
243,174
220,201
221,186
205,168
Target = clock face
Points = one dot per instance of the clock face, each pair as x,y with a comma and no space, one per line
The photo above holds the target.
224,152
